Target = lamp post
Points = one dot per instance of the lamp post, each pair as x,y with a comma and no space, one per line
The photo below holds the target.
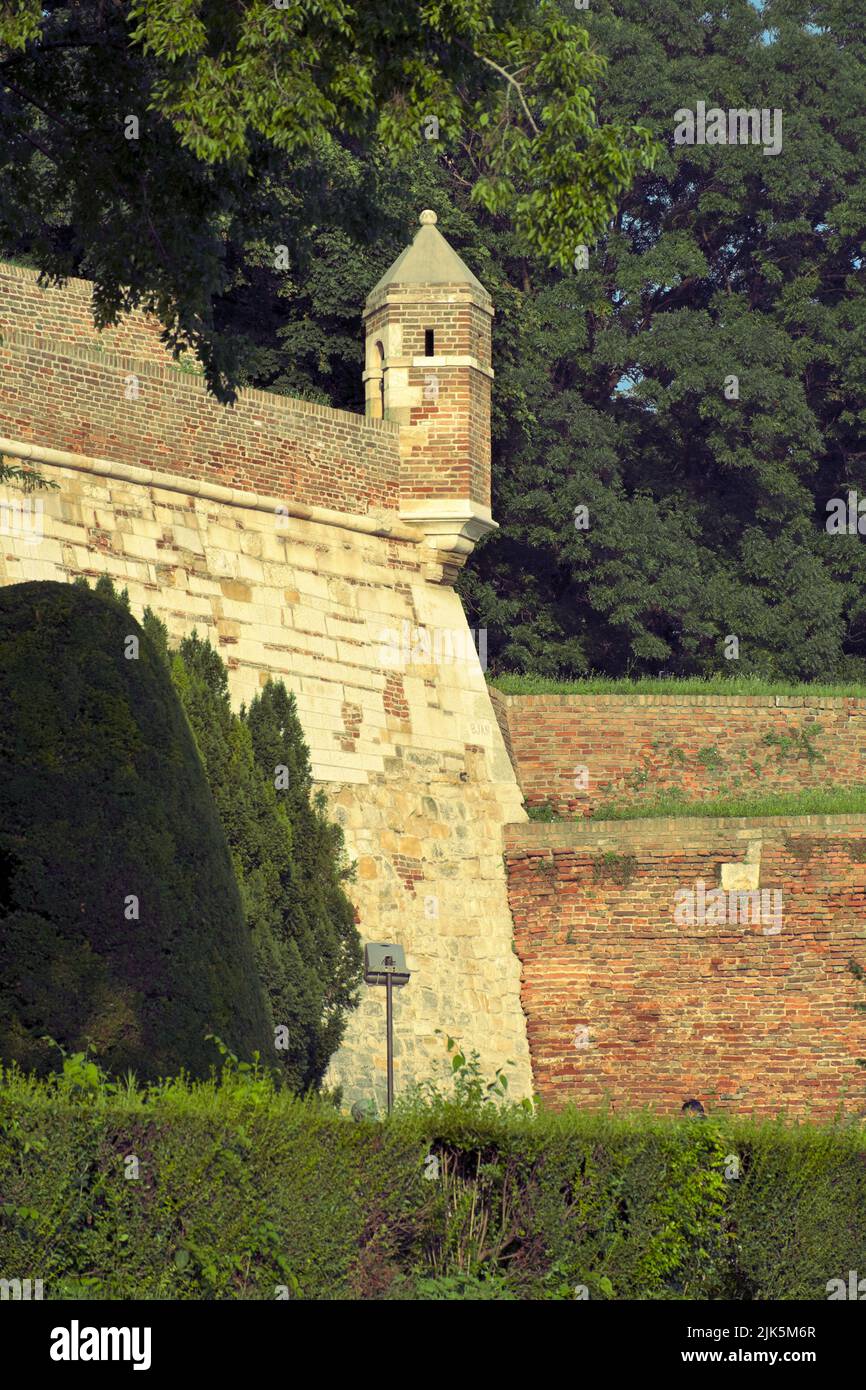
386,965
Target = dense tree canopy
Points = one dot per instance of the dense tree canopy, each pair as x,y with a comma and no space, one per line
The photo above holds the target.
707,515
139,141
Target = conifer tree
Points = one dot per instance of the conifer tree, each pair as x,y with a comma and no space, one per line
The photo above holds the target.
121,926
288,857
318,914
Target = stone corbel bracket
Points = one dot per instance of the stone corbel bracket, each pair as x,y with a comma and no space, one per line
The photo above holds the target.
451,527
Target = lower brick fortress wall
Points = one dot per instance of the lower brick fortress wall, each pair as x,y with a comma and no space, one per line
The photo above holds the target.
638,994
577,751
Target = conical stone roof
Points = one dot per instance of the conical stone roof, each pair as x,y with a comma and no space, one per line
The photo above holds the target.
427,260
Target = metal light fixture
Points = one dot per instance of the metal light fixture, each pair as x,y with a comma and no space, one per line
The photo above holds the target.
386,965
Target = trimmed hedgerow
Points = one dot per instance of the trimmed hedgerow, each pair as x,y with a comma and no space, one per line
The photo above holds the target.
230,1189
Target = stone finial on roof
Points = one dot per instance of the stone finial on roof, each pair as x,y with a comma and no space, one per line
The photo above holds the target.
428,260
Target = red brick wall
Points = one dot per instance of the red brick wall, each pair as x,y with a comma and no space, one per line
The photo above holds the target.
65,385
77,399
452,455
739,1017
578,751
65,315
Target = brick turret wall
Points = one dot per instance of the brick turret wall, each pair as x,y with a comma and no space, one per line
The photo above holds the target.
443,402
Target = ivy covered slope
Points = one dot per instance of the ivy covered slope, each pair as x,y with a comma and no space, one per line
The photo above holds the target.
105,801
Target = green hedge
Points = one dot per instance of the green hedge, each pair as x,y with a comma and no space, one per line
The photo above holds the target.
242,1193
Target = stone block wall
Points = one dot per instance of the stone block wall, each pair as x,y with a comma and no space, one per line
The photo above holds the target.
410,754
671,959
577,752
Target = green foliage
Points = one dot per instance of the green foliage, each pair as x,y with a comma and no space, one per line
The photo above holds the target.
288,857
790,1184
469,1090
318,920
618,868
706,515
23,476
104,801
246,1191
235,104
637,778
800,743
461,1286
814,801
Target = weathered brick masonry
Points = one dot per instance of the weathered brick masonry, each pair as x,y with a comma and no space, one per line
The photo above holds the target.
64,317
448,451
62,382
578,751
631,1002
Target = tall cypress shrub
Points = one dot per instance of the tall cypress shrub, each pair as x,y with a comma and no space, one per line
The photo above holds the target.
289,858
121,927
318,914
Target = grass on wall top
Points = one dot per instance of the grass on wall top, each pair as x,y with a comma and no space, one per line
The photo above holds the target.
812,801
513,684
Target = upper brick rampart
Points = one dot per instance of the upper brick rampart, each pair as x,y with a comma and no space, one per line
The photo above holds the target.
421,451
64,314
119,395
